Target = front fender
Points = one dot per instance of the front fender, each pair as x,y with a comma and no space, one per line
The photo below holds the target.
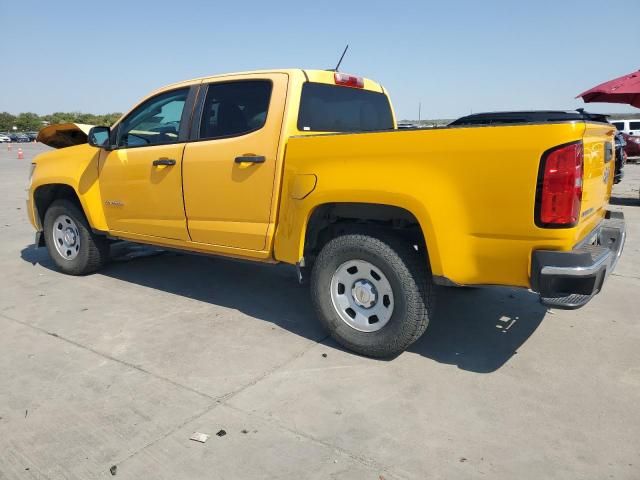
76,167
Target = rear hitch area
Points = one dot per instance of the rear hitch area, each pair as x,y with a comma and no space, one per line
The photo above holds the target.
568,280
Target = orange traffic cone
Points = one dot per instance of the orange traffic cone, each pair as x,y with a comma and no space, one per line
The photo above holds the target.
20,154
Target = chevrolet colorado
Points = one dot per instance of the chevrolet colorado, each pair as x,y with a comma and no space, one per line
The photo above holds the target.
306,167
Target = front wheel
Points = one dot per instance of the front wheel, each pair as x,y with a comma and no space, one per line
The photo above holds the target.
373,294
74,248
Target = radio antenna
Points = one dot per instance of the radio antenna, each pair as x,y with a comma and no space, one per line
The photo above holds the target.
341,57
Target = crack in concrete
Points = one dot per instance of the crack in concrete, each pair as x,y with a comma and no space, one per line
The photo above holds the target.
107,356
216,401
367,462
623,275
220,400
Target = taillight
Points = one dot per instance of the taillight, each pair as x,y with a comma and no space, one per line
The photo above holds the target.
348,80
559,194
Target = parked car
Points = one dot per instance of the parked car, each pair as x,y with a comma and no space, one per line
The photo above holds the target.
18,137
373,216
632,147
5,138
621,156
630,126
32,136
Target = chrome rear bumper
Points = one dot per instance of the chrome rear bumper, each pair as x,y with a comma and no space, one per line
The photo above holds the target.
568,280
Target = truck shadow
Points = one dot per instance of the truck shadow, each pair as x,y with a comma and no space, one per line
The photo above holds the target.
478,330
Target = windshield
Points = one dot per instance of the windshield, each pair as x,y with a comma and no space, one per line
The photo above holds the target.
329,108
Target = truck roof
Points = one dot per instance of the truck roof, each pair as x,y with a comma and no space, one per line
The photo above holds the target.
317,76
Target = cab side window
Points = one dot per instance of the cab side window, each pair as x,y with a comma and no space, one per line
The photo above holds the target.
155,122
235,108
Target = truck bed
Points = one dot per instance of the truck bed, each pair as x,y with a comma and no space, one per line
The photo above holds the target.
472,190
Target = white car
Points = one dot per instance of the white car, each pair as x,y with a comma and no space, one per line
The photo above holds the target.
4,139
630,127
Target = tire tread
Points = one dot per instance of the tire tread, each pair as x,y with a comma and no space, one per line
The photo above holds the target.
413,269
97,247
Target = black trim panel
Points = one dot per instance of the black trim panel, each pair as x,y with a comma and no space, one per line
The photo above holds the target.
197,112
187,113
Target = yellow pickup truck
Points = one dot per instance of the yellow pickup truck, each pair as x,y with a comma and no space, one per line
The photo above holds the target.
306,167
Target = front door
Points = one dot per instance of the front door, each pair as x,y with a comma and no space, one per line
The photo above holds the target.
140,180
229,168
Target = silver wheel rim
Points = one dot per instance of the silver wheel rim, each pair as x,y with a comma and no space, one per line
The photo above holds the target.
362,295
66,237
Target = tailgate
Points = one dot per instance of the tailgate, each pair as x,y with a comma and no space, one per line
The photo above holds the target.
599,163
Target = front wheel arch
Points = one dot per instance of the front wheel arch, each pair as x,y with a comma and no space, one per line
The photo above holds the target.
45,195
91,250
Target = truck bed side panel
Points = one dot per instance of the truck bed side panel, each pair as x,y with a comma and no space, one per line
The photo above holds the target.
471,189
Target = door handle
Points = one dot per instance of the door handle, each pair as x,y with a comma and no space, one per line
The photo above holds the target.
251,159
164,161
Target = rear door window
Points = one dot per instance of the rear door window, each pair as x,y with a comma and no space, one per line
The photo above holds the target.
618,125
235,108
634,125
329,108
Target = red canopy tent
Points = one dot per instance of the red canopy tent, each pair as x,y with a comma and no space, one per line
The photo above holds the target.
625,89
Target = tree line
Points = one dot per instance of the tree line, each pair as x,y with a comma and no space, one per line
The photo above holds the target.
32,122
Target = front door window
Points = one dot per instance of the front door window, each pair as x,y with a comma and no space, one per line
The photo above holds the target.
157,121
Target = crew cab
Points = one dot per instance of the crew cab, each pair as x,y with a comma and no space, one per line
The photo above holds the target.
306,167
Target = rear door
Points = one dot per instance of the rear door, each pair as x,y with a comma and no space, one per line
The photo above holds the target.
229,167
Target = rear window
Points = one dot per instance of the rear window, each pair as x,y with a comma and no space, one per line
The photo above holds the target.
329,108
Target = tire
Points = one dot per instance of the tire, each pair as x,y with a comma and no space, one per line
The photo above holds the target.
399,267
82,251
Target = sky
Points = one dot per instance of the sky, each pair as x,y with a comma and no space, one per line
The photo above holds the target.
453,57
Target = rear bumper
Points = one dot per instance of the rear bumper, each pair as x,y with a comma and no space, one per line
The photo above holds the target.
568,280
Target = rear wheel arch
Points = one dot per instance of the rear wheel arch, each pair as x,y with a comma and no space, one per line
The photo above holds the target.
330,220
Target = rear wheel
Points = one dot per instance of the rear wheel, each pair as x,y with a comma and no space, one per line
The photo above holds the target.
72,245
372,293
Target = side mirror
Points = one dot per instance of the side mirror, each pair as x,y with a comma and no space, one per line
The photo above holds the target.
99,137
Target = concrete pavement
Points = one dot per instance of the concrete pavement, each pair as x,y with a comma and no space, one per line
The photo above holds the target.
120,368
